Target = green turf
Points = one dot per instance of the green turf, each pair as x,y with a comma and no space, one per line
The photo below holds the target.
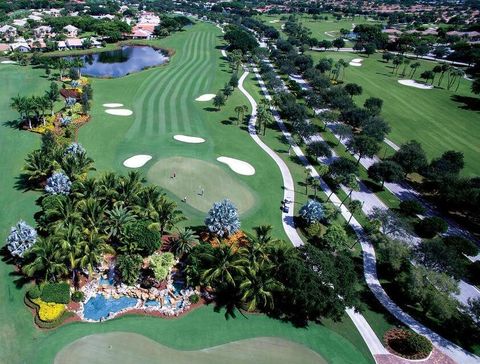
194,176
162,101
440,119
124,347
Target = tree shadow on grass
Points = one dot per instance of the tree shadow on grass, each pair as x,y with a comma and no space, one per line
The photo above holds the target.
22,183
469,103
210,109
14,124
227,122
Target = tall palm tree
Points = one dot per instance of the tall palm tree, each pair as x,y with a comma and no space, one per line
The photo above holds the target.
18,103
88,188
129,188
258,288
108,186
165,215
45,260
92,247
118,217
93,214
76,166
78,64
183,243
226,265
61,212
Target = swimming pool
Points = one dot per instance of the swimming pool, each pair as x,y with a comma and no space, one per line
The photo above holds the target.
98,307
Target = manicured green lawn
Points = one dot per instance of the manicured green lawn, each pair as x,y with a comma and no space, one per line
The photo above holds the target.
162,100
440,119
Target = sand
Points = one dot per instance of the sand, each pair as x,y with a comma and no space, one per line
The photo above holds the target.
224,53
415,84
238,166
137,161
206,97
274,21
112,105
9,62
119,112
357,62
188,139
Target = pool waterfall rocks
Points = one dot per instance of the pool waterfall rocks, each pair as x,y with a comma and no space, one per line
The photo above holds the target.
104,299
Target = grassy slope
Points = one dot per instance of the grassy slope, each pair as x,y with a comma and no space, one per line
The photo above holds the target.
432,117
21,341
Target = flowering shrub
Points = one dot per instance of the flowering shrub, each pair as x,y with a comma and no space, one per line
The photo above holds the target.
312,212
21,238
49,311
222,219
58,184
75,148
75,83
70,101
65,120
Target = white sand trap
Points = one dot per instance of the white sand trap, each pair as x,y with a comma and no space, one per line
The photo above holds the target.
357,62
206,97
112,105
238,166
119,112
274,21
137,161
415,84
224,53
188,139
8,62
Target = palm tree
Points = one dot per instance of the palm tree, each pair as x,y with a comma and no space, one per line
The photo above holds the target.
108,186
87,188
225,265
92,247
257,289
351,183
129,188
354,206
52,95
240,110
93,215
406,62
414,67
264,118
118,217
61,212
46,260
183,243
165,215
76,166
78,64
445,68
37,167
18,103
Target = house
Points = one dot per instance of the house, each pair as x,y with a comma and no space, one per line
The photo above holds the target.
96,43
148,18
142,31
20,22
53,12
43,31
38,44
74,43
35,18
20,47
61,46
72,31
4,48
7,32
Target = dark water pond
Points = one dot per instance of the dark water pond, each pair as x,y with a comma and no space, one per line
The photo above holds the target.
121,62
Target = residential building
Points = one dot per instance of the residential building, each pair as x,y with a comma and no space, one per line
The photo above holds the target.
74,43
7,32
71,31
43,31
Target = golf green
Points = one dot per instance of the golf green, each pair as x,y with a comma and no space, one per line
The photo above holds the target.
123,347
201,183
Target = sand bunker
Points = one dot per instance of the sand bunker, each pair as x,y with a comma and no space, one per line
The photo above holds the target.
274,21
415,84
8,62
357,62
119,112
188,139
206,97
224,53
137,161
238,166
112,105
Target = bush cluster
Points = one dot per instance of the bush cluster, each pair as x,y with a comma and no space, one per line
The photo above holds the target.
77,296
56,293
148,240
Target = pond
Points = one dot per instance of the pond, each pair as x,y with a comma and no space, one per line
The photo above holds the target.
123,61
99,307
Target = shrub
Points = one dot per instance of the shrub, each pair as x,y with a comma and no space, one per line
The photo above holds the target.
58,184
77,296
21,238
56,293
411,207
408,344
161,264
49,311
222,219
194,298
34,292
74,148
312,212
431,226
148,240
167,259
316,229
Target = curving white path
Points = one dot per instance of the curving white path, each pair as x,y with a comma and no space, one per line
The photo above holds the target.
238,166
206,97
119,112
450,349
188,139
137,161
113,104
